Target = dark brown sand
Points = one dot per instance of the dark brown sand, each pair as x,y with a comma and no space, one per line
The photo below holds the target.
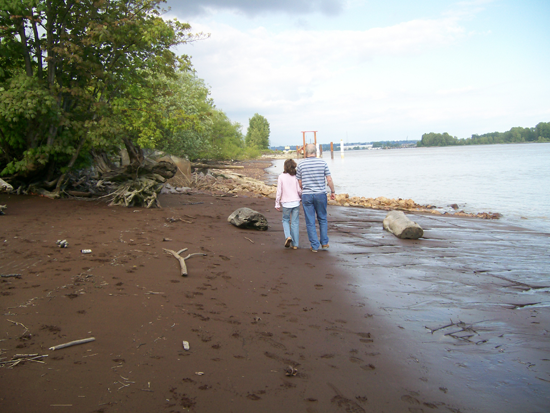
365,326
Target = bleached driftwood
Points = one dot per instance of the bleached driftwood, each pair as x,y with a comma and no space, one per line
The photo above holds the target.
72,343
4,186
402,227
182,259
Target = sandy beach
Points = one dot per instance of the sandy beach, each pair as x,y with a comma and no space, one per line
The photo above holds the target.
454,322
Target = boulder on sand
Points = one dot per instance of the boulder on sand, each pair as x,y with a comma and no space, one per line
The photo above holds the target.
248,218
402,227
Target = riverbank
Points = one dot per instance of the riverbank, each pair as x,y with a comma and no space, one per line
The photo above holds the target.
452,322
253,179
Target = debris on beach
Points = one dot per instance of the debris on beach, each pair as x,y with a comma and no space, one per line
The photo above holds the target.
2,207
62,243
72,343
4,186
183,266
22,358
10,275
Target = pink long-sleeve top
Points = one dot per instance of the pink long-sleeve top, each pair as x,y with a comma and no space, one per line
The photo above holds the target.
288,189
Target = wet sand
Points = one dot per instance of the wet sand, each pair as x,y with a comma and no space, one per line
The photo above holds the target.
457,321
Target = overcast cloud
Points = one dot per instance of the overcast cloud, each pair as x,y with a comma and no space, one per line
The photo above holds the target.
255,7
370,71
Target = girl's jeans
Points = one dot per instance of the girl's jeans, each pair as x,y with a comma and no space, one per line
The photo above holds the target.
291,224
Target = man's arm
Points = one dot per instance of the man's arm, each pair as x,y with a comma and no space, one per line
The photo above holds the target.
331,186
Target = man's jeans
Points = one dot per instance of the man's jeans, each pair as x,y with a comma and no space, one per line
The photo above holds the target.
316,204
291,224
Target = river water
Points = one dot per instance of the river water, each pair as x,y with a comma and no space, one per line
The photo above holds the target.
513,180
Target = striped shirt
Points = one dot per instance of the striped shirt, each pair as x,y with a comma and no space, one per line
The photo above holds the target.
312,173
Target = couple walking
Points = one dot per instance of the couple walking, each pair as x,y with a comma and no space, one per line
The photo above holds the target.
306,182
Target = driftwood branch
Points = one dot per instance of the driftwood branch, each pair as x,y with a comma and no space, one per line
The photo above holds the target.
72,343
181,259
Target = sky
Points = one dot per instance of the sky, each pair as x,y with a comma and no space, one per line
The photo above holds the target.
370,70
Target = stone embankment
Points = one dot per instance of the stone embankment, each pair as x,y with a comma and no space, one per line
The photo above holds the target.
229,182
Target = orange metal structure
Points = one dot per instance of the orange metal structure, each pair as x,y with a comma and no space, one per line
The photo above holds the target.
302,149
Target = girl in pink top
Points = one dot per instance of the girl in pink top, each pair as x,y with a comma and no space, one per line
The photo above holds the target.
289,195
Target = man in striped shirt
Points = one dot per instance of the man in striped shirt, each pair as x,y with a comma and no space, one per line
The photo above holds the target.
311,174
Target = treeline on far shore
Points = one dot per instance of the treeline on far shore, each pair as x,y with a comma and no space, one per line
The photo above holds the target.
540,133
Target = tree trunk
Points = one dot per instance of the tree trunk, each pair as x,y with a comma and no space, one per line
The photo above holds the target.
134,151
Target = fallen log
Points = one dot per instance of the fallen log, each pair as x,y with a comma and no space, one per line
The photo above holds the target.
402,227
182,259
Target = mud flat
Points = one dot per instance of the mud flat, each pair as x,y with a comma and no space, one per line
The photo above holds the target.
456,321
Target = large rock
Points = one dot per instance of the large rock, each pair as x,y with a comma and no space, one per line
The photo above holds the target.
402,227
248,218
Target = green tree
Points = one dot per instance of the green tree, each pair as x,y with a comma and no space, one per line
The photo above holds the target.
70,70
258,132
542,132
438,139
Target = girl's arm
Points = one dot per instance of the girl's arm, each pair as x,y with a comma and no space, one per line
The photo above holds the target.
279,193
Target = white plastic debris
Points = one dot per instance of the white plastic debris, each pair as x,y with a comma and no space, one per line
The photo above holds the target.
186,345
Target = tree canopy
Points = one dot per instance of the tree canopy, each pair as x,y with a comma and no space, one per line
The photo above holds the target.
82,77
540,133
258,132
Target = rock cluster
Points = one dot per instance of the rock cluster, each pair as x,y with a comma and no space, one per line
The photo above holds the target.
389,204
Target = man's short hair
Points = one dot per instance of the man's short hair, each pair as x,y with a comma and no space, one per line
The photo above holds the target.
310,149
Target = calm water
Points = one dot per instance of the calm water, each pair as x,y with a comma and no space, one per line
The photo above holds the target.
513,180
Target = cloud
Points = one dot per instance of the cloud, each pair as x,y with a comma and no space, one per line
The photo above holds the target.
256,7
260,69
387,82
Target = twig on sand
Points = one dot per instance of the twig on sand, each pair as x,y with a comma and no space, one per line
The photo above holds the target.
18,358
249,240
20,324
72,343
182,259
443,327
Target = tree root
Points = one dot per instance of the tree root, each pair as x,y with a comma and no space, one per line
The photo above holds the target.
141,192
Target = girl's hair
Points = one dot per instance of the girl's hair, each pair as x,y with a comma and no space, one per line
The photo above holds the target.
290,167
